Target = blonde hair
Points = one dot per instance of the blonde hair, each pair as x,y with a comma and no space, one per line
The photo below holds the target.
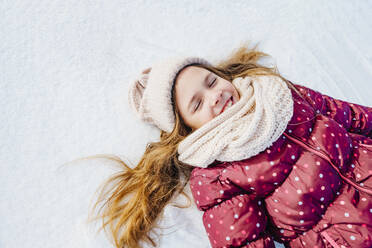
134,198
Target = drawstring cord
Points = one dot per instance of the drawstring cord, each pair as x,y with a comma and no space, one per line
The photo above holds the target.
326,157
329,239
348,180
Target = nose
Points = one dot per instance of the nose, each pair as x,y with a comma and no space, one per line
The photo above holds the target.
216,98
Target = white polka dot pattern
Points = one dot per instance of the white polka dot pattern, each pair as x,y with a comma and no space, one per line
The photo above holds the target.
294,184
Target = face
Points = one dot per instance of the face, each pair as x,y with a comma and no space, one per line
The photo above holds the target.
201,95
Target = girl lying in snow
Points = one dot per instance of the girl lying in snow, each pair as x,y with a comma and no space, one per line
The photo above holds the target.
266,159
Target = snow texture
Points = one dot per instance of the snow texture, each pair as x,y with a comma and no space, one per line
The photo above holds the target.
65,67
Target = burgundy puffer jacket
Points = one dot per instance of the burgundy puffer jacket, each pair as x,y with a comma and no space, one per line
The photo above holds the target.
311,188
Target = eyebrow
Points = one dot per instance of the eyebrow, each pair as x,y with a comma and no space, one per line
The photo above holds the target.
194,96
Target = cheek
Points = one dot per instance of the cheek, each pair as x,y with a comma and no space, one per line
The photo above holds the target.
235,92
233,88
207,115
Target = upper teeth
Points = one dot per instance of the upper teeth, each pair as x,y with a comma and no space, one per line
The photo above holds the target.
228,104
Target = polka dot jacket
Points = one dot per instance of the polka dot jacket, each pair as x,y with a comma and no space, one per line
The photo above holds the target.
311,188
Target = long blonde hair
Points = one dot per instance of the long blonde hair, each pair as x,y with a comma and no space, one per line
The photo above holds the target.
134,198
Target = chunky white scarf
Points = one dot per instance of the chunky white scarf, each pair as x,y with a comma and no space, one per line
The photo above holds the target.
245,129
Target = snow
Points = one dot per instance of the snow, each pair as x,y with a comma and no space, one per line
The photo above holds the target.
65,68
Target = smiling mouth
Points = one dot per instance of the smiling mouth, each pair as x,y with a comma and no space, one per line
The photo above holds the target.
226,104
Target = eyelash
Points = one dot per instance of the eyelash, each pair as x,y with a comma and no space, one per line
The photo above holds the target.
210,85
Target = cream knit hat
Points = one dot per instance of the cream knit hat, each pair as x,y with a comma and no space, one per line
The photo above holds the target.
150,95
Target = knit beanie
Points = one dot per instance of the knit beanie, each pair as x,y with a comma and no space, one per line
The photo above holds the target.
150,95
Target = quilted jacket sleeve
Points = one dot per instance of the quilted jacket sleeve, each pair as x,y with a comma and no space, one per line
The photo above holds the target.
230,219
355,118
236,222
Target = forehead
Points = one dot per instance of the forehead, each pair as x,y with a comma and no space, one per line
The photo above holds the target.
189,75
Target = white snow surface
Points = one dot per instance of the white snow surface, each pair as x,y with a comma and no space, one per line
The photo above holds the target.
65,68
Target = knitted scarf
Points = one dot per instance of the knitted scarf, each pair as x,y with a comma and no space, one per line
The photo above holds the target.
246,128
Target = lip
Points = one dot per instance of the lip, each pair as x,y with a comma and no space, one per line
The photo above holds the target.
230,99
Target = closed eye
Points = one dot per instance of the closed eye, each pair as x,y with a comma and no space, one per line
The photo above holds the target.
197,106
210,85
212,82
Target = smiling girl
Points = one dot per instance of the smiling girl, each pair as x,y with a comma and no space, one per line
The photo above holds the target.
266,159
